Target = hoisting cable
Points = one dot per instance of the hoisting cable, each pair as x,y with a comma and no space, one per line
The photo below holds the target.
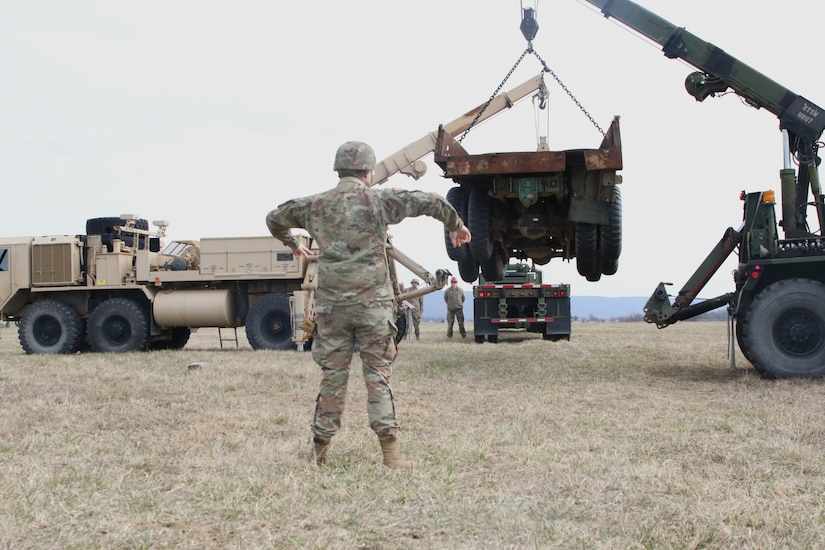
529,27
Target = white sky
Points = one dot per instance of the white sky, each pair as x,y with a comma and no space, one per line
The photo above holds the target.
209,114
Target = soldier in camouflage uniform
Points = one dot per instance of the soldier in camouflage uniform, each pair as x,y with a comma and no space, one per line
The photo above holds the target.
454,297
354,297
418,309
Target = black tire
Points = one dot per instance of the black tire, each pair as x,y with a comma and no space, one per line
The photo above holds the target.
587,252
401,325
479,338
50,326
269,324
478,212
457,197
119,325
783,335
740,339
610,236
468,269
177,339
493,269
492,338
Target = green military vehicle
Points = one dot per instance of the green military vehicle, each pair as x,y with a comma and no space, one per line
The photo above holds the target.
778,303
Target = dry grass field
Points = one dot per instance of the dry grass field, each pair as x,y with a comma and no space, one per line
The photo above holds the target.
624,437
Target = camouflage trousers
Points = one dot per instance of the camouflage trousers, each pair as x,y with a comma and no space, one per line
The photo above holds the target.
339,331
452,315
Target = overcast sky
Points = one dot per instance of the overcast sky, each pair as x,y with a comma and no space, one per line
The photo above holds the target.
208,114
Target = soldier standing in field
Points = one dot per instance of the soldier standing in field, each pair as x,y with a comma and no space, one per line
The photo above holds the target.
354,297
454,297
418,309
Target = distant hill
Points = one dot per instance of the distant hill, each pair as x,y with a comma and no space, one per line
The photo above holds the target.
582,307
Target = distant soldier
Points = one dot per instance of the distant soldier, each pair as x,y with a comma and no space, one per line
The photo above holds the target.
354,298
418,309
454,297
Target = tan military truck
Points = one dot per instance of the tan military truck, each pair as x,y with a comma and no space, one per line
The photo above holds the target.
117,289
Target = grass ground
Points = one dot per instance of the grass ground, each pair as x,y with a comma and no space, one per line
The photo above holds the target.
624,437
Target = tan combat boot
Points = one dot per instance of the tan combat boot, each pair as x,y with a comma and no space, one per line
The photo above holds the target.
319,451
392,456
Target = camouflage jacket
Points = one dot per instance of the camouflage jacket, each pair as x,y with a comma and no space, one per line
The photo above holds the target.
418,303
349,225
454,297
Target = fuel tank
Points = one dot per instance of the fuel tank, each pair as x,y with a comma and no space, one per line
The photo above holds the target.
195,308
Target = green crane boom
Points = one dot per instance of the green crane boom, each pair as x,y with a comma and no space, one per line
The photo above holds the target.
718,72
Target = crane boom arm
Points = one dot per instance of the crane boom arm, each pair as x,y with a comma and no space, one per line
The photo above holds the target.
719,70
408,159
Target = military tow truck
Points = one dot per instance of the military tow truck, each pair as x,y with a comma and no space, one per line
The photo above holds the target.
778,301
520,301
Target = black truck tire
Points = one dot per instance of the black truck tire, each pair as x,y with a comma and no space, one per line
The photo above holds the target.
783,334
610,236
478,212
119,325
468,269
740,339
178,337
588,263
269,323
50,326
493,268
457,197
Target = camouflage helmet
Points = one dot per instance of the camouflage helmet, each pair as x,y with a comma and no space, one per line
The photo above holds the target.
354,155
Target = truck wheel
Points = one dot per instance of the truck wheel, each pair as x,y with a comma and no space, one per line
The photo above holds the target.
478,212
740,339
178,339
50,326
119,325
457,197
468,269
784,330
493,268
268,324
479,338
401,325
587,252
610,235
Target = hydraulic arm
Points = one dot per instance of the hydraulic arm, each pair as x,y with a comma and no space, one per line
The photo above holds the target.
407,160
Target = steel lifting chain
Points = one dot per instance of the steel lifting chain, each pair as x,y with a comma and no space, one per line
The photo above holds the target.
568,92
545,69
492,97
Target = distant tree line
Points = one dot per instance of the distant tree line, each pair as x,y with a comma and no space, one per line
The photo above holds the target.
717,315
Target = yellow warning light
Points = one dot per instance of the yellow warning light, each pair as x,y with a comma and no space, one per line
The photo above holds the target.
769,196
